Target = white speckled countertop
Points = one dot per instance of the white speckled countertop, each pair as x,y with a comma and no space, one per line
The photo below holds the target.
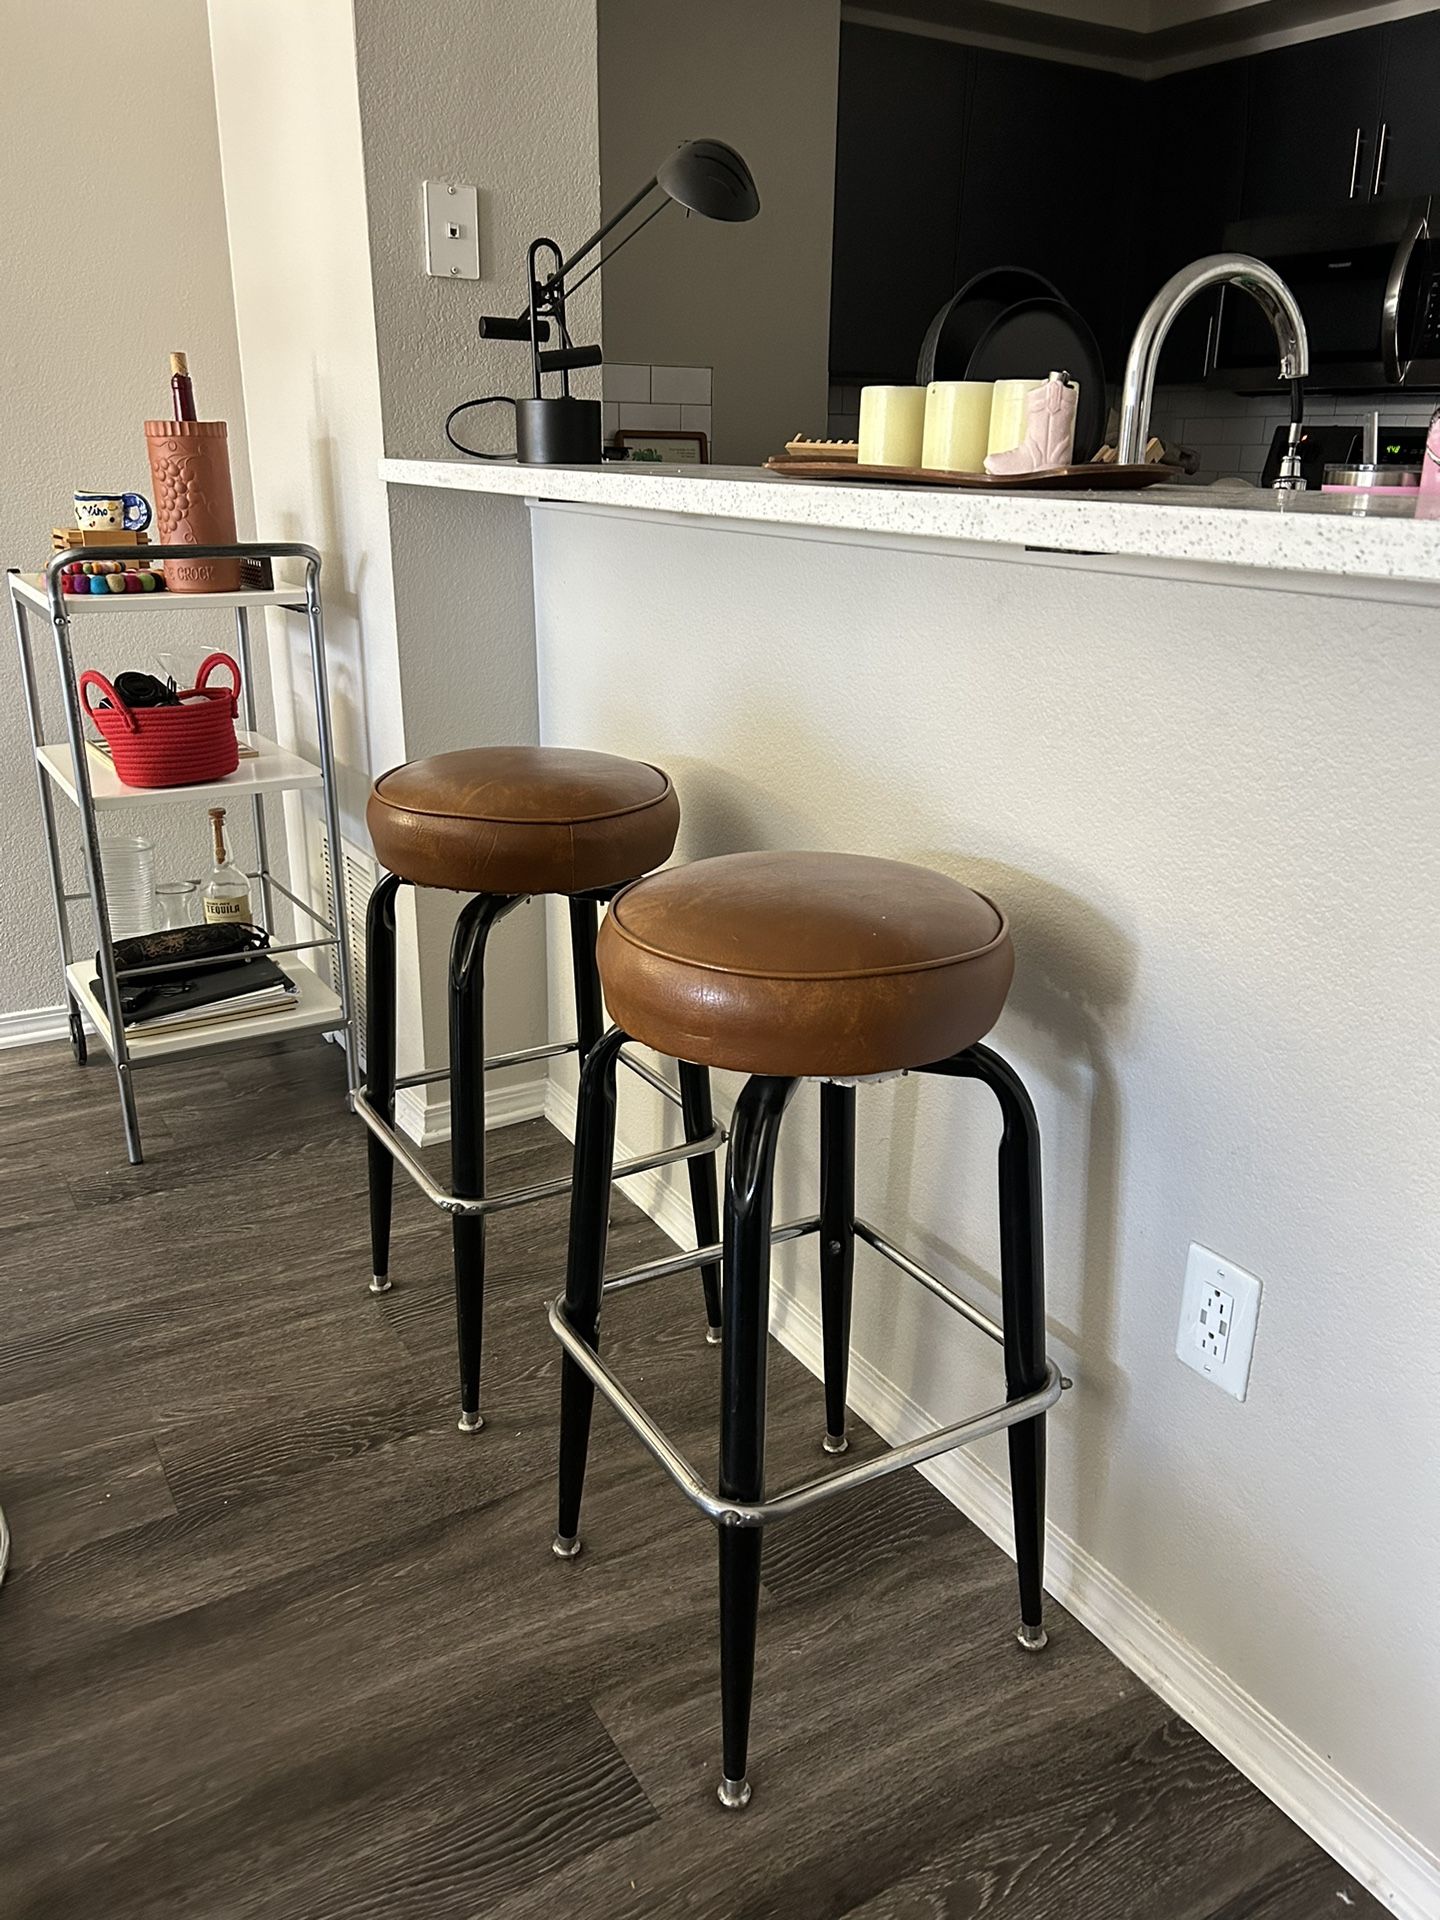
1304,533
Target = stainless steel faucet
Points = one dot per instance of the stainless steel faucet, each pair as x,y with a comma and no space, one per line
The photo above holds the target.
1233,269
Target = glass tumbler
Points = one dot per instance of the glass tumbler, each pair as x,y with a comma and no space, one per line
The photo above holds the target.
128,863
176,904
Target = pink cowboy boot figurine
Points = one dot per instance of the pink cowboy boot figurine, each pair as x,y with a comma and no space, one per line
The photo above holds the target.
1049,430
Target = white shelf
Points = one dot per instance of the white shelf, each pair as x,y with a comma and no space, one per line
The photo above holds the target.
271,771
319,1009
30,587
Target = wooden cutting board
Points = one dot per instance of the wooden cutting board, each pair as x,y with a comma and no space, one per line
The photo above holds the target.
1101,476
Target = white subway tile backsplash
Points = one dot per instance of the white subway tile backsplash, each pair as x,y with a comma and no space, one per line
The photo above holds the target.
1205,430
638,415
1232,433
683,386
625,383
656,399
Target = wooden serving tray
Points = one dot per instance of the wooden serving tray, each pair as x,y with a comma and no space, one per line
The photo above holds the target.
1106,476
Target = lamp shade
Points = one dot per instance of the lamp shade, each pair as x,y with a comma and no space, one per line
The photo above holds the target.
710,179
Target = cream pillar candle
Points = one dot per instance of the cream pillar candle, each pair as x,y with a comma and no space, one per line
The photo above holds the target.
957,425
1007,414
892,426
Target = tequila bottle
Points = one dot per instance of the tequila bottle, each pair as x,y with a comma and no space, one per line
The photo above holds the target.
226,892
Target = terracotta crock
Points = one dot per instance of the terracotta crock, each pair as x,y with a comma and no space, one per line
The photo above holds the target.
194,504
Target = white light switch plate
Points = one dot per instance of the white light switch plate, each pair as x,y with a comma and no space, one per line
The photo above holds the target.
452,230
1218,1315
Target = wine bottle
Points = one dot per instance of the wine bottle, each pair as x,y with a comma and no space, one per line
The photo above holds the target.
227,892
182,391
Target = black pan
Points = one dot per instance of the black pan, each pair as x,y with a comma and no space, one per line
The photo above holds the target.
1039,336
958,327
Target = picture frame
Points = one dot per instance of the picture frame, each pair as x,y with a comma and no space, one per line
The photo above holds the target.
667,446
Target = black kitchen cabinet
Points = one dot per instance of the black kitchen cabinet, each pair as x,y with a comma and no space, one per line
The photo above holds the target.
899,160
953,159
1311,124
1050,181
1409,115
1192,187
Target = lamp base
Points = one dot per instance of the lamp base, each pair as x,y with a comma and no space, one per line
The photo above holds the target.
559,432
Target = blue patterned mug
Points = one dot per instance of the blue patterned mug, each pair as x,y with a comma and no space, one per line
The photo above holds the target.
129,512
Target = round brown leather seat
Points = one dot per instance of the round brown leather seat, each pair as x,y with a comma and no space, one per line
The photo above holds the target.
522,820
805,964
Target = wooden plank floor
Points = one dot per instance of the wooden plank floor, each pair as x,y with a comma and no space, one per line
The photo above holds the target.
277,1640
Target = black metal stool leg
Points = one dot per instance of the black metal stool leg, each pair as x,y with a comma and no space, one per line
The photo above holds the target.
585,1273
589,1006
380,1068
467,1135
749,1195
699,1116
837,1250
1022,1289
695,1104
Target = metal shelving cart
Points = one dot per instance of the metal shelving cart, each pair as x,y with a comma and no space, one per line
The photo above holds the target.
74,772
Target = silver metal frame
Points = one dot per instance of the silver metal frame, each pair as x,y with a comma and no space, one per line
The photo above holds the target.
4,1544
738,1513
404,1156
307,602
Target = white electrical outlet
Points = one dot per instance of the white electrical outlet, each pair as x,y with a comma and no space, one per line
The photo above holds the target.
1212,1329
1218,1315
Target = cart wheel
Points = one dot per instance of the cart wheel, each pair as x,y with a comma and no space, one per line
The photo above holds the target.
77,1036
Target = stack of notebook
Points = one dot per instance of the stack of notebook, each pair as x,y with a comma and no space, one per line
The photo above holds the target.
186,995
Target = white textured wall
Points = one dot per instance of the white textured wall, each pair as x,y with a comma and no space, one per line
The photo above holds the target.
350,349
89,313
751,301
1211,814
286,96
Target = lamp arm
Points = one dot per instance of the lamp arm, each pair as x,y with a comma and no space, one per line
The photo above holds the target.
605,258
609,227
557,278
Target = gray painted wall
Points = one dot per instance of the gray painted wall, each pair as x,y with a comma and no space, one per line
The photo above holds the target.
751,301
88,321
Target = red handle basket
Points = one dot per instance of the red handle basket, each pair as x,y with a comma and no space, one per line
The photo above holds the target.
171,746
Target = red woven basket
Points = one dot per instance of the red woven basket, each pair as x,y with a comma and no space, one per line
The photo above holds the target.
171,746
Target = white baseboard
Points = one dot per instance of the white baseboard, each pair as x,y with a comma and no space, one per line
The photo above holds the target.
32,1026
1398,1869
427,1121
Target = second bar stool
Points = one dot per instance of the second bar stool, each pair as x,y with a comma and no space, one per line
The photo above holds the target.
791,966
503,824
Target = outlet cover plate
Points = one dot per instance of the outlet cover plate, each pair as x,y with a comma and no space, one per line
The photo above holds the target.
1219,1344
452,230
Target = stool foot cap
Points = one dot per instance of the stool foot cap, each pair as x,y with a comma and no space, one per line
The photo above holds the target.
1032,1639
565,1548
380,1283
713,1336
733,1794
470,1422
835,1443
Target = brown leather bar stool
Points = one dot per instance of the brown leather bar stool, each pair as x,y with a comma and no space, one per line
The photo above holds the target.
791,966
503,824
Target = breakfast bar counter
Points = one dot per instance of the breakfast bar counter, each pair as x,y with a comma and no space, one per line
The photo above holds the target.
1389,546
1189,745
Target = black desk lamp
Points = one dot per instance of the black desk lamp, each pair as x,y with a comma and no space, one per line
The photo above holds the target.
703,176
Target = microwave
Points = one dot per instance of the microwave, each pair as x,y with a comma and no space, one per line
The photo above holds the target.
1367,279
